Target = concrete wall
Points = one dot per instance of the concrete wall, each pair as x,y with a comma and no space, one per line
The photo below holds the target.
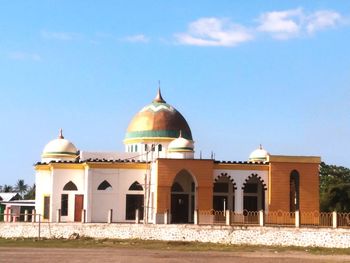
269,236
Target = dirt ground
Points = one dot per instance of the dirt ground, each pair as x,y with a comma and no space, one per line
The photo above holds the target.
117,255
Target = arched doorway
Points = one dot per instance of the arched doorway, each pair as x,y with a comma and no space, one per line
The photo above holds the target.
183,198
134,201
253,194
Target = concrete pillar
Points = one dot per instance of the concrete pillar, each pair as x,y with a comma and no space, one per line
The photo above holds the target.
228,217
239,200
26,215
334,219
109,218
8,214
196,217
297,218
83,215
261,218
58,216
33,216
137,216
166,217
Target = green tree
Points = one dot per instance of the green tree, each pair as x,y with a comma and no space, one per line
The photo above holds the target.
7,188
21,187
30,194
334,188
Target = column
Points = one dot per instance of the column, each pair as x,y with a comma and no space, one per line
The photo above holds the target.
239,200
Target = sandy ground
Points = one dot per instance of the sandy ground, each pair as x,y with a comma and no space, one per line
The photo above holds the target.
65,255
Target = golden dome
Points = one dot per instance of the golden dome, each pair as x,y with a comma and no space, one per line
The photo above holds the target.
157,121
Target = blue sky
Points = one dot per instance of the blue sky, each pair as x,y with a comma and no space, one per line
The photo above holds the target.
241,72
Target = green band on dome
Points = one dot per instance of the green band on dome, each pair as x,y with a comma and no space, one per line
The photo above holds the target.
173,149
70,153
162,133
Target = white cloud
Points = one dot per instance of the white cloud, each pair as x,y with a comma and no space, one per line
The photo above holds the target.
213,31
281,24
137,38
19,55
294,22
65,36
322,19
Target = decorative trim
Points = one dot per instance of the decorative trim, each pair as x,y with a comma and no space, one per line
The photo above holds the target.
180,149
241,166
228,176
254,176
157,133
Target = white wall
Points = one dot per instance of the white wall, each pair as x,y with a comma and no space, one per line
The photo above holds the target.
60,178
43,183
102,201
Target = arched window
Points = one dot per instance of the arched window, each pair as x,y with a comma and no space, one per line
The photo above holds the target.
160,147
294,191
254,193
70,186
136,186
224,193
104,186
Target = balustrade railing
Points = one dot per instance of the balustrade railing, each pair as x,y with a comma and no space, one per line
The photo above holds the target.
275,218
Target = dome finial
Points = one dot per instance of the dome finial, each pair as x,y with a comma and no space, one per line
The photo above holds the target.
60,135
159,97
180,135
260,146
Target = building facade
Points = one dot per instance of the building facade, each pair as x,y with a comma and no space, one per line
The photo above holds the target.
158,174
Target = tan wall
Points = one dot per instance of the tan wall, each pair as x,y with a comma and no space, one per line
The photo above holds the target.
279,177
202,172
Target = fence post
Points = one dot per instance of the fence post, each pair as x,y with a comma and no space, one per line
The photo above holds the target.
39,227
261,218
33,216
58,215
137,216
196,217
10,215
109,219
334,219
228,217
26,215
297,218
83,216
166,217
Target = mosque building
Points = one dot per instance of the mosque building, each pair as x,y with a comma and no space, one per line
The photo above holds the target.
158,173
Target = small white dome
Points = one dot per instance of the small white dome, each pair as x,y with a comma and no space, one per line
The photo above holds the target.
258,155
181,145
59,149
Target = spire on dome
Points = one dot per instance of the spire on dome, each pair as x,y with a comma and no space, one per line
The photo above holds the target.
260,147
159,97
60,135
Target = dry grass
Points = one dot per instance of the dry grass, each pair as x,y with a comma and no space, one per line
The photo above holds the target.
161,245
